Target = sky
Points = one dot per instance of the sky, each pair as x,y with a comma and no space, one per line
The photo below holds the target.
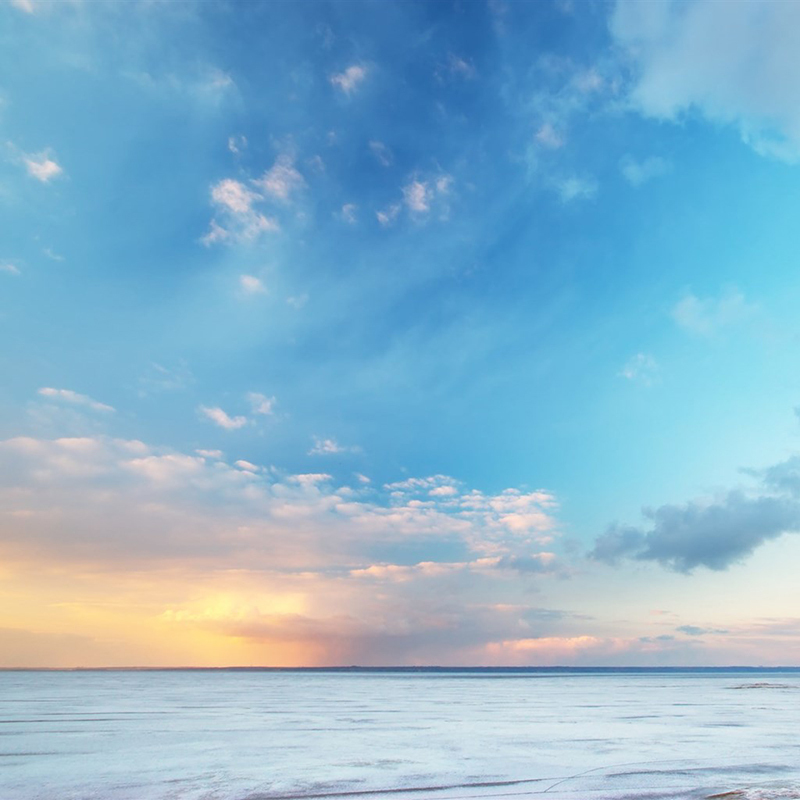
399,333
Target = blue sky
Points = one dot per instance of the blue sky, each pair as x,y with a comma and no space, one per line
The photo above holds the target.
377,258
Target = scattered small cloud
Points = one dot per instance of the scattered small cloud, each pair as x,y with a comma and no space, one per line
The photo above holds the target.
261,404
694,630
24,5
549,137
709,316
641,368
574,188
250,284
348,213
73,398
52,255
235,203
41,166
216,455
388,215
382,153
417,196
349,80
220,418
237,144
639,172
247,466
329,447
282,180
9,268
458,67
297,301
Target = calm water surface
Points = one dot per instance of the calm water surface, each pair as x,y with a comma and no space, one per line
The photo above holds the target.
218,735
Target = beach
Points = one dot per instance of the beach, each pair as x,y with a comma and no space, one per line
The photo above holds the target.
262,735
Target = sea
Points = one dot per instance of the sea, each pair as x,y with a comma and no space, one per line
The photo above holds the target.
413,734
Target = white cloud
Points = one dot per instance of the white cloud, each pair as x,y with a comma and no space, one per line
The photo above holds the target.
349,80
219,417
458,66
639,172
348,213
250,284
9,268
707,317
236,144
247,466
548,136
417,196
641,368
234,196
282,179
235,203
261,404
215,454
327,447
382,153
297,301
575,188
388,215
41,166
732,62
73,398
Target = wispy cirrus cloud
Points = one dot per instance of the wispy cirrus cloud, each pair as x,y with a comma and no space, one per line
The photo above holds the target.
74,398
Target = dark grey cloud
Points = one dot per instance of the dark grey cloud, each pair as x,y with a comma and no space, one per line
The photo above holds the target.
716,535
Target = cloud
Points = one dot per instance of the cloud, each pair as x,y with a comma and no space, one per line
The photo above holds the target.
458,67
261,404
281,180
730,62
41,166
349,80
250,284
641,368
547,136
639,172
382,153
219,417
694,630
709,316
24,5
417,196
73,398
713,535
388,215
348,213
236,144
9,268
328,447
420,195
574,188
242,222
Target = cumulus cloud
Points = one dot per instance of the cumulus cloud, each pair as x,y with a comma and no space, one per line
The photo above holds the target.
709,316
730,62
221,418
41,166
75,399
349,80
